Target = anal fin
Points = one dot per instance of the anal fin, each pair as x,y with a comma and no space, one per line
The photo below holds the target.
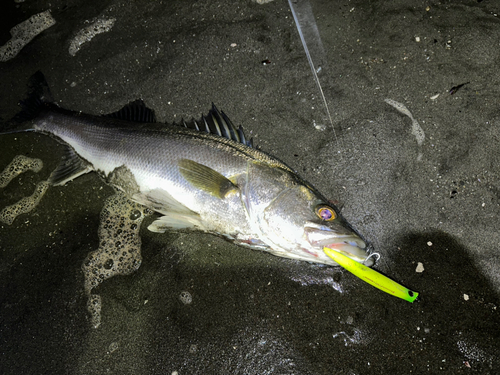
71,167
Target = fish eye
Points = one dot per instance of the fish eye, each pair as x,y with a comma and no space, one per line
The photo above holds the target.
325,213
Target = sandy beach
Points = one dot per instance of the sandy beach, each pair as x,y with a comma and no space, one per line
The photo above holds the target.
423,187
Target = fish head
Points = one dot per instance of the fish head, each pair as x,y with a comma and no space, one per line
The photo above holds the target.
298,223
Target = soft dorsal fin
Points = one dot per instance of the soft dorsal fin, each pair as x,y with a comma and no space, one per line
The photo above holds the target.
135,111
216,122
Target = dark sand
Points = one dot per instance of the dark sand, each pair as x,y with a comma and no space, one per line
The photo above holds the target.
253,313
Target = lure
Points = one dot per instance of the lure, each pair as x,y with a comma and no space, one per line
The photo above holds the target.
371,276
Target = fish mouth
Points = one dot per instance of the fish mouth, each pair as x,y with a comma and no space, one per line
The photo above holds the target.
347,243
351,249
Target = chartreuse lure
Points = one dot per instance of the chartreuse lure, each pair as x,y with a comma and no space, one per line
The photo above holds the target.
371,276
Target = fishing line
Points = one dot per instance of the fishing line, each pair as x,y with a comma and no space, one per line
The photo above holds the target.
311,40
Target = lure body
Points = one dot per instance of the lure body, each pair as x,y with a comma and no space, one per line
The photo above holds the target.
371,276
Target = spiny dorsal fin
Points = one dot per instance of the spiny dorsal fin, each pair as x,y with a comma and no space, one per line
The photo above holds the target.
216,122
135,111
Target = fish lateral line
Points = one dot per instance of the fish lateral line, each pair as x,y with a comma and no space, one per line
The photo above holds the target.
371,276
201,175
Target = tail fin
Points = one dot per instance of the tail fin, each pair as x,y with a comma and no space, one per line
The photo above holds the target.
38,95
38,99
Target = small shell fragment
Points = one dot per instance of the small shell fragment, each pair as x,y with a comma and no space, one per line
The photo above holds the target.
417,130
420,267
186,297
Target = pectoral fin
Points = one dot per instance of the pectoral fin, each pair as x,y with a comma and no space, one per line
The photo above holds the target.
206,179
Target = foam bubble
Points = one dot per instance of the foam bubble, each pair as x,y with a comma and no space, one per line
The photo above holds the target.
18,165
21,164
186,297
86,34
25,205
94,306
119,252
24,32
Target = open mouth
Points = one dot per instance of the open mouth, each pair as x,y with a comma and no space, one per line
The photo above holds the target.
352,247
347,243
353,251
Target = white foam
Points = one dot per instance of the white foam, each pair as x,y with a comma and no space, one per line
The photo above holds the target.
24,32
25,205
99,26
18,165
119,251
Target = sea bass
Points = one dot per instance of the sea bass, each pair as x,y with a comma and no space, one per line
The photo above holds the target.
203,175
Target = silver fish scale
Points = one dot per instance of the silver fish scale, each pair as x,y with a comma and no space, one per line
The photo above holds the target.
198,180
152,157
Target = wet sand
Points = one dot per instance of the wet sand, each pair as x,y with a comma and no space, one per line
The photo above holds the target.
252,313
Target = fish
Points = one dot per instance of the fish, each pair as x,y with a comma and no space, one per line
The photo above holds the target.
202,175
